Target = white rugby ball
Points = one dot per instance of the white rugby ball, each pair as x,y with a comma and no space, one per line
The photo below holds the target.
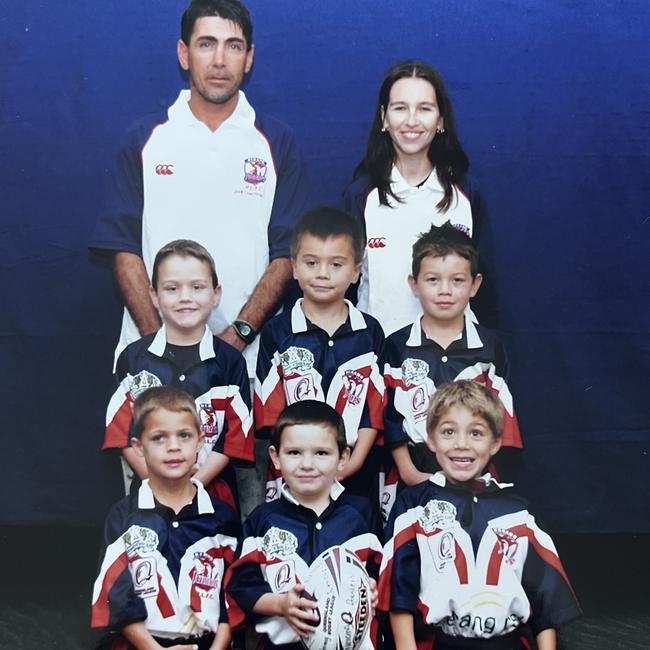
339,583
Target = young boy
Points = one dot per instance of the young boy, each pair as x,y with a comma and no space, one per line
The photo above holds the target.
283,537
324,348
183,353
166,546
485,567
442,345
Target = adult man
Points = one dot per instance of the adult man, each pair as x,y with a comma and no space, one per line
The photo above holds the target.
212,170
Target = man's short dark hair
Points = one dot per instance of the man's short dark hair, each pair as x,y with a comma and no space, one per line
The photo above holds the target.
442,241
310,411
232,10
325,222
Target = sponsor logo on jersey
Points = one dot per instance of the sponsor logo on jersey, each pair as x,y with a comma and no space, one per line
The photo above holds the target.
279,543
205,574
209,426
377,242
444,550
352,386
437,514
303,389
165,170
281,576
145,577
508,544
141,382
255,171
419,399
295,359
414,371
139,541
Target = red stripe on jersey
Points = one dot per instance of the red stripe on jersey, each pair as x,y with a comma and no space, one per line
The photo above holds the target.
461,564
236,615
237,442
163,603
116,435
266,413
100,611
511,436
376,402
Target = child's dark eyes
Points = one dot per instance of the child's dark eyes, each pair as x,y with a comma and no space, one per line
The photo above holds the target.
477,433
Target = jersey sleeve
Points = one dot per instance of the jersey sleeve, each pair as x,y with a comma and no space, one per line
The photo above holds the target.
291,191
237,440
270,398
394,433
553,602
114,602
119,228
119,410
373,411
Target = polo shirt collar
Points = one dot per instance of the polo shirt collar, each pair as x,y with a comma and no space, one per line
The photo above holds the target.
335,492
159,343
400,186
299,320
440,480
473,339
147,501
243,115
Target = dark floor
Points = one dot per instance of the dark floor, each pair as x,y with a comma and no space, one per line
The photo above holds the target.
47,576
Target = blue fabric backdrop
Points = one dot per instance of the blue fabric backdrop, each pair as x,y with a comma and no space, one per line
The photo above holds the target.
552,104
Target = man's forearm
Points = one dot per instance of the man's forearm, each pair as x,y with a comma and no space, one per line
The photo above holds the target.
263,301
133,281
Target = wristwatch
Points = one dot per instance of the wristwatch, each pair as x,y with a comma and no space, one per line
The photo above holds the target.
244,331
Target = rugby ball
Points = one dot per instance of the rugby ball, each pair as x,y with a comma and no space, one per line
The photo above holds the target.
339,583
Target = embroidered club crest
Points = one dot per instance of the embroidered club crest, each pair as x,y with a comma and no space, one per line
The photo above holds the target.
205,574
255,171
208,417
352,386
139,541
437,514
141,382
508,544
296,360
278,543
414,371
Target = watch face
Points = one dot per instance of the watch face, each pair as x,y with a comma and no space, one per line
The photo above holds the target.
246,330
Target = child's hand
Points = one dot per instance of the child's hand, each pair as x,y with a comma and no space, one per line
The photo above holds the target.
297,611
374,595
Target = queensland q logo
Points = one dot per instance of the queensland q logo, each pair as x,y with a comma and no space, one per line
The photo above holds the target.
419,399
347,618
302,390
143,573
283,577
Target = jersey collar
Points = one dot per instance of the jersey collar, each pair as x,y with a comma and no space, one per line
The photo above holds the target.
299,320
400,187
243,115
416,335
147,501
335,492
440,480
159,343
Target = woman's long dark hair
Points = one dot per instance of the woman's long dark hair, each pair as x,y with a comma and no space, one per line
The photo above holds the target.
445,152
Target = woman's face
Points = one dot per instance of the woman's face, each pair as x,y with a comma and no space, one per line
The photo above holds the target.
412,116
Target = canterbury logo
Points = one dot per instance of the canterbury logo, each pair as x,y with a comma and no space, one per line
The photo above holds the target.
377,242
164,170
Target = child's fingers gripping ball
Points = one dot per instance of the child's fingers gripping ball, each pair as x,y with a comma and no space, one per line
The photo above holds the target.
340,584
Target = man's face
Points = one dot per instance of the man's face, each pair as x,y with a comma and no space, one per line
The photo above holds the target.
216,58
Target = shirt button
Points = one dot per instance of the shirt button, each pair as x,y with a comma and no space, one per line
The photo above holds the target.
182,377
175,524
330,343
444,359
319,526
475,499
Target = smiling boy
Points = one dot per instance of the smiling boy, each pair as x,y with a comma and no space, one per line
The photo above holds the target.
442,345
324,348
184,353
283,537
168,545
486,569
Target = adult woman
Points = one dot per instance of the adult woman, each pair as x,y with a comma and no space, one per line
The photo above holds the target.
414,174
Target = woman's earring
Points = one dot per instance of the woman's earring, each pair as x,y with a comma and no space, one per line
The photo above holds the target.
440,130
384,129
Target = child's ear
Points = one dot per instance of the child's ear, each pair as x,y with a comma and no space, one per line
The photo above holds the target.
293,268
344,458
273,453
413,283
154,297
357,272
430,444
216,298
496,445
476,284
136,443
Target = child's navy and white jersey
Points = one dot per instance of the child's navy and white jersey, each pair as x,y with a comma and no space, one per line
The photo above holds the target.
163,568
238,191
218,382
416,365
298,360
391,230
472,562
281,539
